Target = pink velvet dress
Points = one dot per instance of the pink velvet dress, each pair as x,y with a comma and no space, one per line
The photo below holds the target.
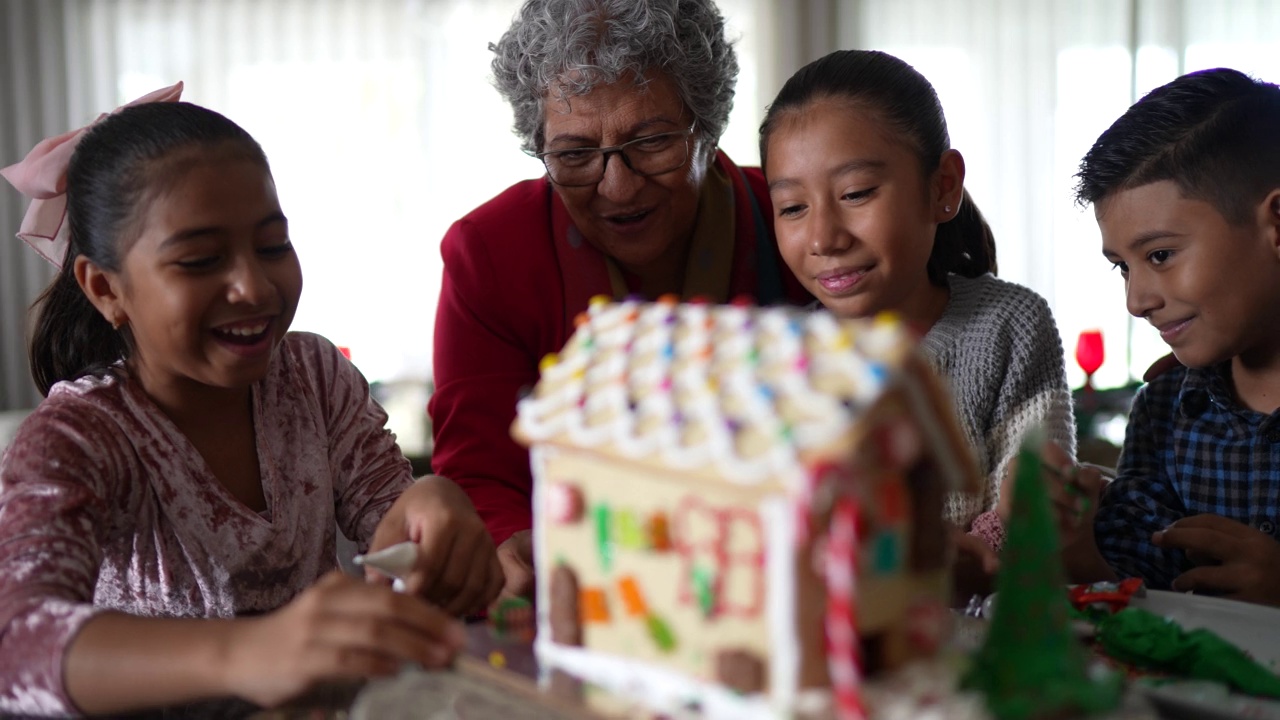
104,504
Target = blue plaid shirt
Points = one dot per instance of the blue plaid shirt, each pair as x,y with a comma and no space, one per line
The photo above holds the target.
1190,449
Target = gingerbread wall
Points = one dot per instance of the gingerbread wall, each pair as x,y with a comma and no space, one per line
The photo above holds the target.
669,568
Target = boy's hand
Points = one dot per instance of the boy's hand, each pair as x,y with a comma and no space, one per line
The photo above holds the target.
338,629
457,565
516,556
1233,559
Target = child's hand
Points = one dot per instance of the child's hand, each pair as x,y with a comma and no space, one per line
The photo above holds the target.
1234,560
338,629
457,565
1073,490
975,550
516,556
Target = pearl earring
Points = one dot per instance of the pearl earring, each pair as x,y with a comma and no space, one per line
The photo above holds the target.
946,209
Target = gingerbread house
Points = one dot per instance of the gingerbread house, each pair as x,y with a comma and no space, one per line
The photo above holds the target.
738,511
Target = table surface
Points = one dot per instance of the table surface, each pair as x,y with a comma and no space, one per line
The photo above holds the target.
497,678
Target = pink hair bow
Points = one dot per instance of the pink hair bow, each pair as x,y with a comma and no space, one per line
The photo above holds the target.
42,176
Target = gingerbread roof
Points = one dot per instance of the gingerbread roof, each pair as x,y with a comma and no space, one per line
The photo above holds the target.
739,389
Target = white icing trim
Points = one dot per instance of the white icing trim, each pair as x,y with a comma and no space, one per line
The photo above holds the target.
778,516
539,456
657,688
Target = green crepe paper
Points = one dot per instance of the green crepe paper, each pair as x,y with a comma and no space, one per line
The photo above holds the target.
1031,664
1144,639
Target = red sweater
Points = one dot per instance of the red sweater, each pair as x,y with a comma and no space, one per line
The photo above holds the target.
513,282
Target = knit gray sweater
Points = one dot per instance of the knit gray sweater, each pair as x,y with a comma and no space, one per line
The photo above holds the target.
998,348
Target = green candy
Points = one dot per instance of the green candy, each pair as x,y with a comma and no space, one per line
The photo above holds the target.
661,633
1146,640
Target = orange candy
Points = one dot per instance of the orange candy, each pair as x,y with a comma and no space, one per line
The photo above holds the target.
632,597
594,607
659,533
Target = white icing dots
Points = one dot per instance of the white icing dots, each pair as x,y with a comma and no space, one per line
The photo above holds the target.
741,388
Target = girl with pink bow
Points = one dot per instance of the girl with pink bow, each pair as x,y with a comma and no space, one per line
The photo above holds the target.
168,513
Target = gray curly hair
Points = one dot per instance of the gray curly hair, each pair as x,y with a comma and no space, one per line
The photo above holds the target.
570,46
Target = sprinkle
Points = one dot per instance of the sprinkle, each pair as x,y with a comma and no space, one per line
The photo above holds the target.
632,597
604,543
887,317
704,589
564,503
661,633
668,299
742,301
631,535
594,606
879,372
549,361
497,659
597,302
659,533
581,319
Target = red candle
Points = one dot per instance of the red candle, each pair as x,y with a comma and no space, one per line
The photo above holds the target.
1090,353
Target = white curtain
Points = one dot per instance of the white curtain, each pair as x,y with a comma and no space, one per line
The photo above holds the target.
378,118
1027,88
382,127
33,68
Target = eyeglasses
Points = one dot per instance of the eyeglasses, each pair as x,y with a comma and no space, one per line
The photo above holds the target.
645,156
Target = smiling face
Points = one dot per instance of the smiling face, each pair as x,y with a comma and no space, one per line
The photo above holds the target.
854,216
642,222
1210,287
210,285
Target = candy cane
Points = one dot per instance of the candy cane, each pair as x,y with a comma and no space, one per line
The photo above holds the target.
841,617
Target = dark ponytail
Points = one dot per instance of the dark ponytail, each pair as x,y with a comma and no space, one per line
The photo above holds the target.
885,85
71,338
119,165
963,245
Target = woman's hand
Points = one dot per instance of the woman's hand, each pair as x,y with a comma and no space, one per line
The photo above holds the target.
339,629
516,556
457,565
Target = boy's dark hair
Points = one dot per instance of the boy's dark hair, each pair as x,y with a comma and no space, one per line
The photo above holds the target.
904,99
1215,133
120,165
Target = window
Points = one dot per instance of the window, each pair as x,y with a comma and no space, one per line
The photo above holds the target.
382,129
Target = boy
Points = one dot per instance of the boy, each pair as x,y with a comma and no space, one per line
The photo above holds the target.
1186,190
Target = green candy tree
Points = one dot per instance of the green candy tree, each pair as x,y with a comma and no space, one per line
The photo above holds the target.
1031,664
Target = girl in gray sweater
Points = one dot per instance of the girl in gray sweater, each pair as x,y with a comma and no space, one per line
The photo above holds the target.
871,215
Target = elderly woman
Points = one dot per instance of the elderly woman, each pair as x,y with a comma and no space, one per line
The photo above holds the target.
623,101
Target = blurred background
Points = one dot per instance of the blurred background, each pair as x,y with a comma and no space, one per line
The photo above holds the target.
382,129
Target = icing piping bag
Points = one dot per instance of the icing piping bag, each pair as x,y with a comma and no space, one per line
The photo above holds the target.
394,561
